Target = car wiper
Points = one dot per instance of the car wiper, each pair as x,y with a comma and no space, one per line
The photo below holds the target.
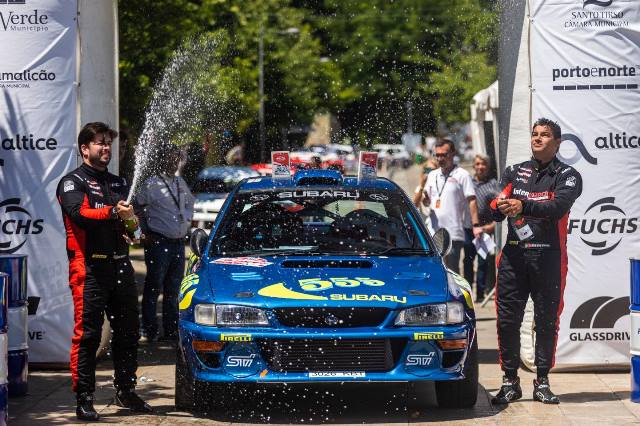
401,250
274,252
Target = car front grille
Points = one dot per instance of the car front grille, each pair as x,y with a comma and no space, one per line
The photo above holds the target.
331,317
303,355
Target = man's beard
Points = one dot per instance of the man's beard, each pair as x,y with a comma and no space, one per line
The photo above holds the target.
97,161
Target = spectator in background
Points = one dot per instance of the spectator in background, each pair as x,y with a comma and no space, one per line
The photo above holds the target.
166,209
486,188
449,192
125,156
427,167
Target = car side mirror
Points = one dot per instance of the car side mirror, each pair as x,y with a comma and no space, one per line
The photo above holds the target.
198,242
442,238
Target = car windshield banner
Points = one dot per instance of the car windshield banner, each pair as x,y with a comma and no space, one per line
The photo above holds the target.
585,75
37,147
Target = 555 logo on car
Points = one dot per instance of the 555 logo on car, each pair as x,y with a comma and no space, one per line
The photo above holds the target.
603,226
16,224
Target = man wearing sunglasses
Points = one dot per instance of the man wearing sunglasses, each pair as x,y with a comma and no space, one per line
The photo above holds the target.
450,194
100,272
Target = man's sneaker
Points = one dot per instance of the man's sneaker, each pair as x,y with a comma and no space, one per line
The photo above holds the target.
146,339
542,391
128,399
84,409
509,392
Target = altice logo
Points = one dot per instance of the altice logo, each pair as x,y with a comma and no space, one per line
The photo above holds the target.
602,3
581,150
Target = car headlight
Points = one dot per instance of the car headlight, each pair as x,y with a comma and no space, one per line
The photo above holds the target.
240,316
434,314
205,314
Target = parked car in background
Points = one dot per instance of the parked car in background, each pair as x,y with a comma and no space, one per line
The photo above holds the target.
211,189
395,155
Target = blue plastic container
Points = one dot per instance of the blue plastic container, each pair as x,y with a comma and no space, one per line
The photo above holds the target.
635,284
635,378
16,266
18,371
4,343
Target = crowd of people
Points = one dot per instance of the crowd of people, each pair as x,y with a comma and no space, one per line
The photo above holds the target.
534,196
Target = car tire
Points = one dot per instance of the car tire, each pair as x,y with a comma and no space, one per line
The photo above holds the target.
461,393
184,390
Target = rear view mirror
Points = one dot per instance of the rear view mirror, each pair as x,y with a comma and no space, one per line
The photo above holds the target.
443,241
198,242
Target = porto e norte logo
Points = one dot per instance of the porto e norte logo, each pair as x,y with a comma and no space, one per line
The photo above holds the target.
603,3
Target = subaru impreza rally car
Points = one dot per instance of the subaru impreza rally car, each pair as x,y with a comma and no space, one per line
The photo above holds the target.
322,278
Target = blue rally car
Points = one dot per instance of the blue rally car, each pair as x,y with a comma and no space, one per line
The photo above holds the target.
322,278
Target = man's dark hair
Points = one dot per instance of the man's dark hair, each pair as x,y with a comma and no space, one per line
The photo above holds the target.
90,130
445,141
555,127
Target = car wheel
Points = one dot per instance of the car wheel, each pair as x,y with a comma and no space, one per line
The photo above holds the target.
185,387
461,393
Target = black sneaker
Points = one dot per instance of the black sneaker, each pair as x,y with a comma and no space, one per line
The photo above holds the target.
129,399
542,391
84,409
509,392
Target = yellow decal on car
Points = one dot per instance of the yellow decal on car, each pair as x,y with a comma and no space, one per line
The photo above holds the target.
432,335
235,337
186,292
186,300
281,292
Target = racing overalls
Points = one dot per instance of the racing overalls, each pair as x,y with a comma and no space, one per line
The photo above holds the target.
536,266
101,276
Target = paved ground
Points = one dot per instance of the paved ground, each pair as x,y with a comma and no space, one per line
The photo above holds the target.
587,398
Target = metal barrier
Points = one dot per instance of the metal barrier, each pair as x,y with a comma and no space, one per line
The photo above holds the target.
4,343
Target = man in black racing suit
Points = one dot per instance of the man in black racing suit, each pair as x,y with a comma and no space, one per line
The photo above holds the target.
100,272
536,199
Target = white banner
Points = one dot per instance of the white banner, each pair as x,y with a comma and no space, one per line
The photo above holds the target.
37,137
585,60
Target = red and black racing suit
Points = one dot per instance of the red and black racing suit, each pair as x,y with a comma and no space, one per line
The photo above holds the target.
537,266
100,275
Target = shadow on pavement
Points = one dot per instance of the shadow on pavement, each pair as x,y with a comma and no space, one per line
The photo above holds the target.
340,403
488,356
593,396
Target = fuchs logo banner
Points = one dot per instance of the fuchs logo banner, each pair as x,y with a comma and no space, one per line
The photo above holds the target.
37,133
585,74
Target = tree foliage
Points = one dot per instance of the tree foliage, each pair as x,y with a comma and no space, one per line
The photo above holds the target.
361,60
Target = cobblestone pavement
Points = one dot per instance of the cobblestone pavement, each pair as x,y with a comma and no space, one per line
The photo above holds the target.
587,398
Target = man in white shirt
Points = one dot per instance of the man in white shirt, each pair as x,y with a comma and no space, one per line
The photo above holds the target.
166,209
449,192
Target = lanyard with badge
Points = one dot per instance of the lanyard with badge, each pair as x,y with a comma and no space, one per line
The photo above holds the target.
441,190
176,199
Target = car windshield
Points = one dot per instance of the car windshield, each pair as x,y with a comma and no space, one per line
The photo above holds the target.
319,221
215,185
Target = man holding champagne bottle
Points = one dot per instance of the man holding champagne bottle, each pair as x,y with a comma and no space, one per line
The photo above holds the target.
100,272
536,198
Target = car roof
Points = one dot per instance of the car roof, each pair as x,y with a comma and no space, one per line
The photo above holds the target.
227,172
267,182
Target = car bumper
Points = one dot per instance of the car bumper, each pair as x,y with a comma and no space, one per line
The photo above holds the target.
266,355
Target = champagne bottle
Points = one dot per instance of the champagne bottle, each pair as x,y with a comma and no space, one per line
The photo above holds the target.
133,228
520,226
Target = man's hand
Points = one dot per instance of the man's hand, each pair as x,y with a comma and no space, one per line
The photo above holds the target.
124,210
510,207
477,231
426,201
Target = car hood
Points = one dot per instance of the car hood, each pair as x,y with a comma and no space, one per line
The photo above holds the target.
272,282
